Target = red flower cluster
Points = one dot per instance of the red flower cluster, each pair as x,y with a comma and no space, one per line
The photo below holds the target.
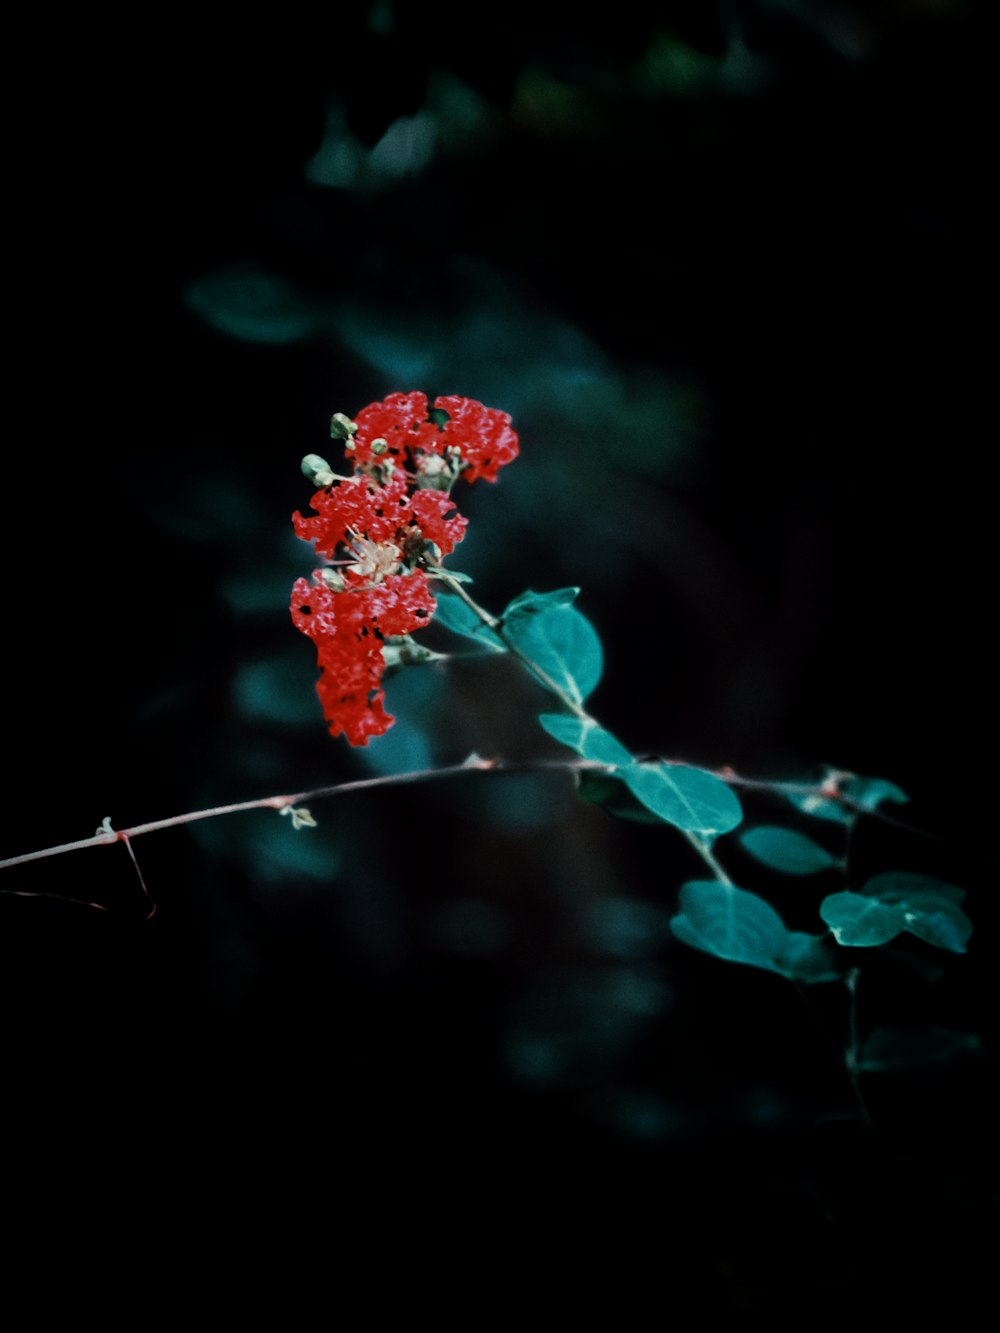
383,529
477,441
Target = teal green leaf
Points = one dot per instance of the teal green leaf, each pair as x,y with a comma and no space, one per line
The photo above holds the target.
892,1050
612,795
586,738
688,798
869,793
807,958
898,886
729,922
533,603
895,902
861,922
454,615
740,927
931,907
558,639
253,305
785,850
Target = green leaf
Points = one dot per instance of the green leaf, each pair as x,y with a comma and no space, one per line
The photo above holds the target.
892,1050
859,793
454,615
729,922
930,907
900,886
897,901
740,927
785,850
688,798
861,922
586,738
558,639
869,793
252,304
612,795
534,603
807,958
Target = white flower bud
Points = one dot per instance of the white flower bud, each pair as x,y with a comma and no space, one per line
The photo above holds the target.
342,427
318,470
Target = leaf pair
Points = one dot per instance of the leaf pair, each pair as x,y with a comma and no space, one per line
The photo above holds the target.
546,629
742,928
895,902
689,798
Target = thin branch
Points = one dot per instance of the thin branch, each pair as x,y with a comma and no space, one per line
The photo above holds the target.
106,836
703,849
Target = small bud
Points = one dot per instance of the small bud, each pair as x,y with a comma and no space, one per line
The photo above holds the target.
301,818
341,427
400,651
318,470
379,447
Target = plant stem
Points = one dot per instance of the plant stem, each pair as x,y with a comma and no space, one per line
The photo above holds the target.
496,625
708,856
106,835
852,1054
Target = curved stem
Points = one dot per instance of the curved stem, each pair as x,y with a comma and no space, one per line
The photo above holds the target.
496,625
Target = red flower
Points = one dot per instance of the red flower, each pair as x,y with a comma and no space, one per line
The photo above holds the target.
358,507
394,420
481,436
383,528
348,628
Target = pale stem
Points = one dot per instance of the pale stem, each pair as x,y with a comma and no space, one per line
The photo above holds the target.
106,836
496,625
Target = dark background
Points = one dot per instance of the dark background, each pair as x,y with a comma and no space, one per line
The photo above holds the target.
725,266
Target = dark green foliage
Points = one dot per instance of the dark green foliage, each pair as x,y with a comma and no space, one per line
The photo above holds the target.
742,928
546,629
688,798
869,793
785,850
894,902
893,1050
613,795
585,737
